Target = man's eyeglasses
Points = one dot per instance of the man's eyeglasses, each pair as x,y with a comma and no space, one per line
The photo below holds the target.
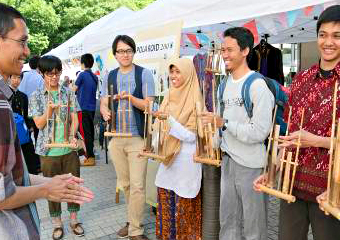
55,74
127,51
22,42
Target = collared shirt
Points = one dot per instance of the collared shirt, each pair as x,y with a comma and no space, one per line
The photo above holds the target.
314,93
31,81
38,106
22,222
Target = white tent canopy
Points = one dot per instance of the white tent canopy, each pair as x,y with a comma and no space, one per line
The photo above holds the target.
74,46
201,13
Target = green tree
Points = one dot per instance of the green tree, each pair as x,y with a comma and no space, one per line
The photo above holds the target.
52,22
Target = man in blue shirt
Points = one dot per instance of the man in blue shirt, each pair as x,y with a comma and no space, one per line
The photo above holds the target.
86,85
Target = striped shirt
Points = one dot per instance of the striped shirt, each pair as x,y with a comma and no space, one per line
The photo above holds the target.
21,223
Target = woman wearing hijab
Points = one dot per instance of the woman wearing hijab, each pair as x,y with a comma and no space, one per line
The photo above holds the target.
178,179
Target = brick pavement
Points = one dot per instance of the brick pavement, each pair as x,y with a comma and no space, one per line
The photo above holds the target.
102,218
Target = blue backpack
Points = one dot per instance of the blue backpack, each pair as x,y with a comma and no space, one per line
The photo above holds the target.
280,98
22,130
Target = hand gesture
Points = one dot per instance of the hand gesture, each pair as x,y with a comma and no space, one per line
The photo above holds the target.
307,139
261,180
66,188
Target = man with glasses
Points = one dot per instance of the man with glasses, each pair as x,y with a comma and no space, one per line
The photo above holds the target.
129,81
18,189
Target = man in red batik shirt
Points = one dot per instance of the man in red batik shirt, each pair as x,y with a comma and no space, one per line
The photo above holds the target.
312,90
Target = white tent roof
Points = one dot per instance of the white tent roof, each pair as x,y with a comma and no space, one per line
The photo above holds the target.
196,13
74,45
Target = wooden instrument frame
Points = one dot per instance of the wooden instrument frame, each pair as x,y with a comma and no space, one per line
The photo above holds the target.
56,118
206,152
148,151
123,128
284,187
332,203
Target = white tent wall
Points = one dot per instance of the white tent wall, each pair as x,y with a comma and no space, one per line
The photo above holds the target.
74,46
194,13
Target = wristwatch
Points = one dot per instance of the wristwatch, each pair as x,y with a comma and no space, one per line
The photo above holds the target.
225,125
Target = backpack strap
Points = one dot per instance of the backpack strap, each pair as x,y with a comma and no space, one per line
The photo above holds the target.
220,90
245,92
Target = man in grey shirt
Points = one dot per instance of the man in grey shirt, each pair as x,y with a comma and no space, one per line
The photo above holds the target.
242,210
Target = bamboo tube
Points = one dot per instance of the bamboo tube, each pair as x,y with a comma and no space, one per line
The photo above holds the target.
207,161
330,209
60,145
296,161
332,142
272,162
114,134
276,193
149,126
284,151
286,180
336,164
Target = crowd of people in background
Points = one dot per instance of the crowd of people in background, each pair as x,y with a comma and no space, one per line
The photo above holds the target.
29,170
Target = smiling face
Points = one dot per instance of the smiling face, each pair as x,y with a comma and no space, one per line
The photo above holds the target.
329,44
124,54
52,79
232,54
14,49
176,78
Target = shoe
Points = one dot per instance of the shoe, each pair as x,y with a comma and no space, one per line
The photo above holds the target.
77,229
89,162
58,233
123,232
139,237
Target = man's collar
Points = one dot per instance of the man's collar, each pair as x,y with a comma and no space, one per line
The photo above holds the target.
5,89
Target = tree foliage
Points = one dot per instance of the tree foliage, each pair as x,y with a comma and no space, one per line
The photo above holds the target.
52,22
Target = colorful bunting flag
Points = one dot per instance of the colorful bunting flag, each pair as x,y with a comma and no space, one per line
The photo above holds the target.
308,10
192,37
268,23
204,40
283,19
292,15
252,27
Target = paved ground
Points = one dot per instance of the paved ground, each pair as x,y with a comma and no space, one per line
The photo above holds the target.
102,218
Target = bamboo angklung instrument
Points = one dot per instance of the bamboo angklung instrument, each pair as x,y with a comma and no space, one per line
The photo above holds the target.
288,165
58,119
123,130
332,203
148,151
206,151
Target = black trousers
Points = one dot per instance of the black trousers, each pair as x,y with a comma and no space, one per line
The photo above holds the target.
86,128
32,160
296,217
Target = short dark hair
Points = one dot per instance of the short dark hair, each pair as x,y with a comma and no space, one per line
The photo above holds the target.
125,39
330,14
48,63
87,60
243,36
7,16
33,62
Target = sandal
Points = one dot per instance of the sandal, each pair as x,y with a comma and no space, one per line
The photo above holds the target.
77,229
58,233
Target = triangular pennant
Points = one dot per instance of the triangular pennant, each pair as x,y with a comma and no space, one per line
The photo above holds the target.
204,39
252,27
292,15
283,19
308,10
193,39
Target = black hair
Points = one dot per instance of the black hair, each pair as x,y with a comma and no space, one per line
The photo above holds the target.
330,14
125,39
33,62
49,63
7,16
243,36
87,60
